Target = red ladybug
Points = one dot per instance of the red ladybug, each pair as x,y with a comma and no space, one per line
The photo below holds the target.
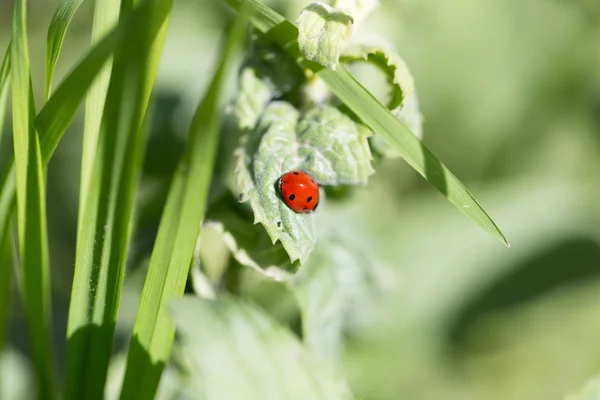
300,191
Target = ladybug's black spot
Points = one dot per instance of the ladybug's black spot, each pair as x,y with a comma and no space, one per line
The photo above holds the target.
292,196
279,224
296,173
309,199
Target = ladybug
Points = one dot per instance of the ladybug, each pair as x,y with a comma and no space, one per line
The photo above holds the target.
300,191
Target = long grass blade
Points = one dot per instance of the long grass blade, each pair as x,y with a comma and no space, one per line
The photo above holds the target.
179,227
105,220
106,15
4,81
4,228
376,116
31,206
58,113
56,34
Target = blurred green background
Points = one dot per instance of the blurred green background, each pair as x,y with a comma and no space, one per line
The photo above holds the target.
510,93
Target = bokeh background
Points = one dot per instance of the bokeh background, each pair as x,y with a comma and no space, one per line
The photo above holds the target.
510,93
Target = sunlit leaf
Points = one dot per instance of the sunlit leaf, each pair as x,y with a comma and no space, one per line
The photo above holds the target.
4,82
323,31
249,244
358,9
107,205
338,285
56,34
31,207
216,335
325,143
376,116
176,240
403,101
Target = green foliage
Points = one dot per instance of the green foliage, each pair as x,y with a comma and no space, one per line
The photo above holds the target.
105,225
31,205
373,114
236,351
4,209
382,286
56,34
322,33
179,228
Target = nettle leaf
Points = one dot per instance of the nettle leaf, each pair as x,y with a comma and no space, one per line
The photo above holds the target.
253,97
334,148
267,74
322,33
403,101
326,144
233,350
340,286
249,244
358,9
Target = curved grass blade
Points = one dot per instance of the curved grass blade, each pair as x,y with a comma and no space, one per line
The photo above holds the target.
104,235
58,113
5,251
375,115
179,228
31,206
56,34
4,81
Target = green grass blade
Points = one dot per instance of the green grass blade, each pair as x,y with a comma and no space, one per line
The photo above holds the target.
4,81
179,227
56,34
4,210
376,116
33,237
105,220
106,15
58,113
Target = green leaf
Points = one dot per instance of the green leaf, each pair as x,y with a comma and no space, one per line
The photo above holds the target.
106,15
58,112
267,74
403,101
333,148
5,210
31,205
248,243
268,152
337,287
235,351
179,228
385,58
4,81
56,34
323,31
376,116
326,144
358,9
105,221
252,99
